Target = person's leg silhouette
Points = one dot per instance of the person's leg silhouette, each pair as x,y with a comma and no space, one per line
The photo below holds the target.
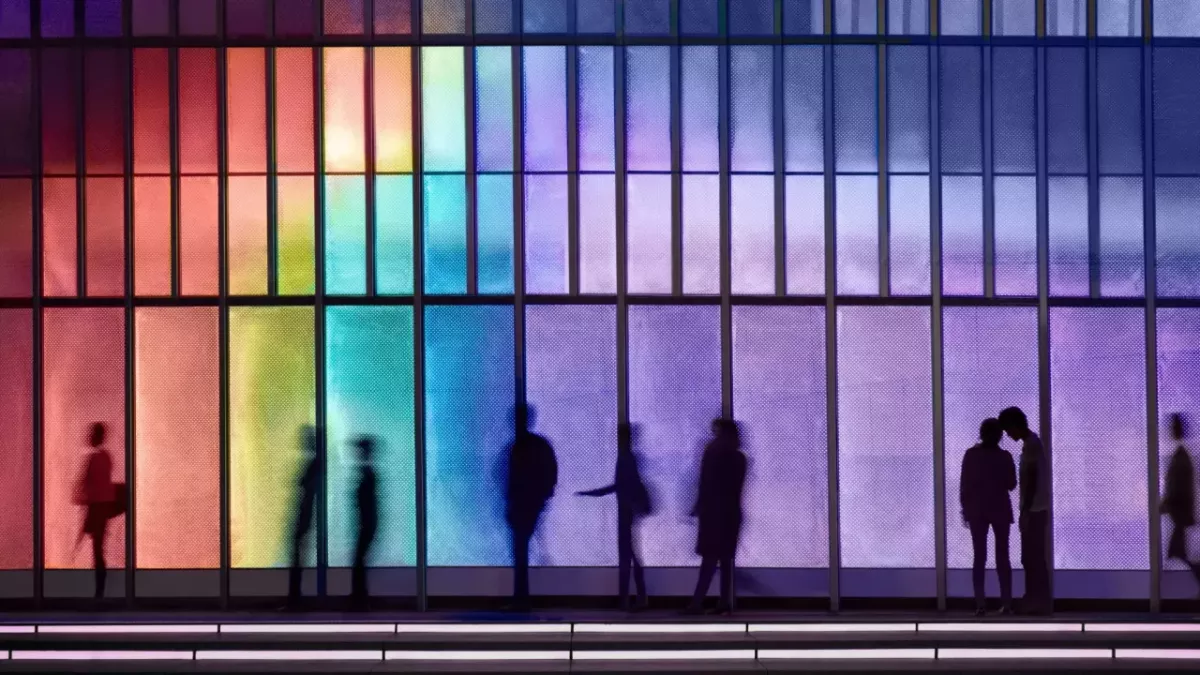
1002,532
979,535
708,567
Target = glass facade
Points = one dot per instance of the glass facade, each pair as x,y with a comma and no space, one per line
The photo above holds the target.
857,226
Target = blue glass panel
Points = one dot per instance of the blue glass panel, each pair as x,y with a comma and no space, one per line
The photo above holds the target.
1176,203
1118,84
962,235
701,108
545,99
596,16
855,17
803,17
1176,100
803,108
648,17
445,228
699,17
1016,235
494,17
1069,258
103,17
494,233
1067,17
908,17
752,108
1119,18
1176,18
804,211
493,109
1014,110
961,109
1014,17
394,234
597,144
468,407
1122,266
648,108
858,235
345,235
856,110
962,17
752,17
908,109
1066,110
908,231
545,16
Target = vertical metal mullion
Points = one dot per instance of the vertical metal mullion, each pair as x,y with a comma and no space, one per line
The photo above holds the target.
989,180
223,299
619,60
518,225
1091,71
36,287
573,252
472,207
1151,291
677,250
319,308
80,156
418,236
369,178
881,167
272,177
831,399
780,161
935,291
1043,273
173,132
726,232
130,333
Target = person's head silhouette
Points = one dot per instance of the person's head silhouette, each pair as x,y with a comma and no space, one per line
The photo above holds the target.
308,441
366,449
1178,425
97,434
1015,424
990,431
627,434
524,417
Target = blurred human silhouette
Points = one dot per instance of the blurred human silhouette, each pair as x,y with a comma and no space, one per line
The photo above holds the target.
101,498
988,475
719,509
309,483
366,499
1034,511
531,478
1179,502
633,502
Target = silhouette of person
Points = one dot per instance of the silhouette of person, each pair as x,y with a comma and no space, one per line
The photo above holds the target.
988,475
531,478
1034,511
366,499
1179,502
633,502
309,483
719,509
98,494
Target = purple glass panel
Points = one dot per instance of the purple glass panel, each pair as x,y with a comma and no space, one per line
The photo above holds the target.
701,233
546,233
649,233
14,19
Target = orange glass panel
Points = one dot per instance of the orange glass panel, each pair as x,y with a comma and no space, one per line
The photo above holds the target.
16,238
151,112
294,128
105,228
246,114
247,235
393,110
152,236
199,246
105,88
345,133
198,111
60,237
177,443
16,443
84,382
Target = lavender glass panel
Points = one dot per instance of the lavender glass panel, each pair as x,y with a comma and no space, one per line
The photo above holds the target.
960,18
1178,333
1016,235
804,210
493,109
855,17
1122,268
908,108
1014,109
648,108
648,232
858,235
545,119
1014,17
58,18
1068,236
1119,18
990,357
102,18
1098,377
752,109
198,17
14,19
571,380
752,231
908,17
856,110
803,108
1068,17
1118,82
962,235
701,108
885,437
960,79
597,233
494,232
1176,203
908,229
674,393
1176,18
701,233
596,110
779,398
546,233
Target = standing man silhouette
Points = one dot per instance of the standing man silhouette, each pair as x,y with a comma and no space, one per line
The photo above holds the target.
719,508
1034,511
532,477
988,475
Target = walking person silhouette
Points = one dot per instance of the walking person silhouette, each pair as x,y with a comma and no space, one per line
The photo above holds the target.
309,484
633,503
719,510
1179,500
366,500
102,499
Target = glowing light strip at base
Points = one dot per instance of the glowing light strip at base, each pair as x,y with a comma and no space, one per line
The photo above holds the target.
1142,627
1009,627
661,628
1163,654
833,627
484,628
665,655
289,655
853,654
1020,654
110,655
17,630
309,628
118,629
491,655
